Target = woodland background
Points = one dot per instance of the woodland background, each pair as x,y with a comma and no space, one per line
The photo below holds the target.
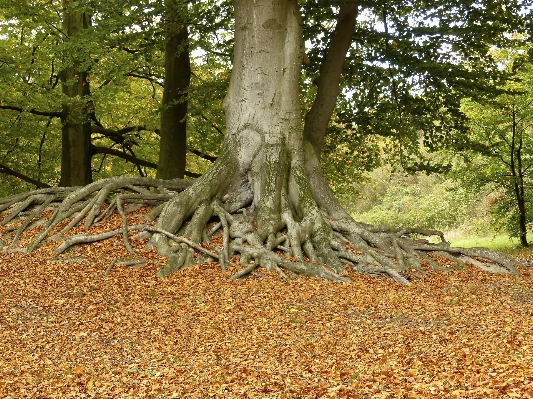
424,131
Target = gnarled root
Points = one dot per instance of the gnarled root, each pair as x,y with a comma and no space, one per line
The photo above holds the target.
278,225
73,204
282,229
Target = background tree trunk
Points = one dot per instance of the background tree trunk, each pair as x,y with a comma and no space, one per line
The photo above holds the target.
522,224
76,131
518,173
173,141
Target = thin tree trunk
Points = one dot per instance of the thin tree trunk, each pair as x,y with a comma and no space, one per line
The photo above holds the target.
318,117
519,187
76,131
522,216
173,142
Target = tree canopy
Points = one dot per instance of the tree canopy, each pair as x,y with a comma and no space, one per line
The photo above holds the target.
408,65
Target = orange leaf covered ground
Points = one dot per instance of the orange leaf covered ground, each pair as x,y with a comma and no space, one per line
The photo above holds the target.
67,330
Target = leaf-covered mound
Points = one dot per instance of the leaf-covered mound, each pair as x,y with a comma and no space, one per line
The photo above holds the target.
71,326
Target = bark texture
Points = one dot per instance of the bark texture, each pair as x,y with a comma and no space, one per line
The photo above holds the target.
76,131
173,141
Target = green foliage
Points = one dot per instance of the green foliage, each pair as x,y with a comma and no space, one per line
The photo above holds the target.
498,242
406,73
36,50
347,155
123,52
417,200
505,214
500,150
27,141
206,124
212,40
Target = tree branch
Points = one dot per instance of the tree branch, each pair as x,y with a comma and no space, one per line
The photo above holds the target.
123,155
209,158
192,174
152,79
8,171
213,124
33,111
318,117
133,159
116,135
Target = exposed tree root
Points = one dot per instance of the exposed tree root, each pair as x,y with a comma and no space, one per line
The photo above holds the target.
132,263
73,204
281,234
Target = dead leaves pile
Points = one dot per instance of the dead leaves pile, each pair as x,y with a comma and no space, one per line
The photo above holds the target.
67,330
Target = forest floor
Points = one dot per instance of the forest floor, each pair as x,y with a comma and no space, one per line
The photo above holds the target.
68,329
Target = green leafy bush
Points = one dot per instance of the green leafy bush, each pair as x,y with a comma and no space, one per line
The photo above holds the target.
419,201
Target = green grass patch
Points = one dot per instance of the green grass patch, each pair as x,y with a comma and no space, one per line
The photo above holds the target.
499,242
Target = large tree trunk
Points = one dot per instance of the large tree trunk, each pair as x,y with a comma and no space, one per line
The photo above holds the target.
266,188
173,142
262,165
76,132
